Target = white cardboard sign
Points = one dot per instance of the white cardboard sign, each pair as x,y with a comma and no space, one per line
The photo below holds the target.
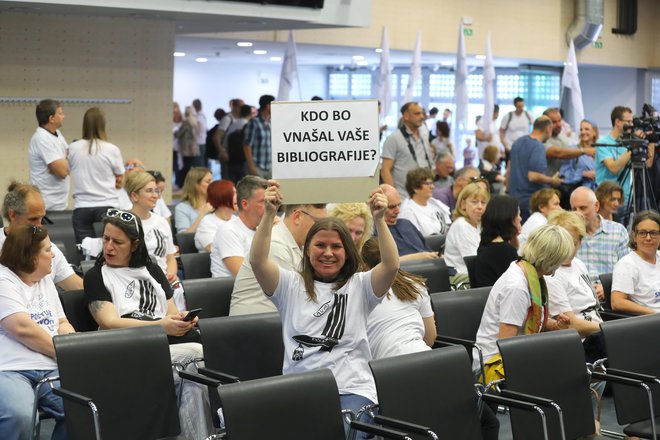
324,139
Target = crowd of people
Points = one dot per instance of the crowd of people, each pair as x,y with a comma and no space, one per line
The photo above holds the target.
541,232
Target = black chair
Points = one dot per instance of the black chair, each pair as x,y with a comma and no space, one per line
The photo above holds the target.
58,218
64,233
212,295
436,242
606,282
457,317
470,263
98,228
434,390
294,406
633,351
549,366
435,272
123,374
197,265
186,242
76,311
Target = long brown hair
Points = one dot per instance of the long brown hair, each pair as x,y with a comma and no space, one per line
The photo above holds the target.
351,264
93,128
405,284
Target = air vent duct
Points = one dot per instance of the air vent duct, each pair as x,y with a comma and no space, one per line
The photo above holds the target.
587,24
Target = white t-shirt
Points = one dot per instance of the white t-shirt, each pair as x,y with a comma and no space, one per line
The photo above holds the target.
462,241
570,290
434,218
517,126
481,145
395,327
203,127
158,239
45,148
41,302
124,201
638,279
330,332
161,209
232,239
61,268
533,222
508,303
94,174
206,231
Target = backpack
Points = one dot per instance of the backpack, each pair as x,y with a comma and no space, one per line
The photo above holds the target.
509,116
211,149
235,142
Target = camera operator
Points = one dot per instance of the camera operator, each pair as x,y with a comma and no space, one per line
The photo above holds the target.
612,163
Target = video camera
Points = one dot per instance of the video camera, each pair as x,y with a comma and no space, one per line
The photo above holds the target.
649,124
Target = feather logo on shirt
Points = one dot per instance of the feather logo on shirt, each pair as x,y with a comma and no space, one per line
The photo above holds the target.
130,289
324,308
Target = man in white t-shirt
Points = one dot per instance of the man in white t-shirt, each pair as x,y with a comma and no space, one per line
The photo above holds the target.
515,124
487,134
23,205
233,239
286,244
47,156
201,134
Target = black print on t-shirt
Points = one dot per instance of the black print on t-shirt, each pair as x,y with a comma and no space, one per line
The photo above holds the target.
147,298
332,332
130,289
160,243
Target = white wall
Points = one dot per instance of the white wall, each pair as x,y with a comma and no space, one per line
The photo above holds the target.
215,82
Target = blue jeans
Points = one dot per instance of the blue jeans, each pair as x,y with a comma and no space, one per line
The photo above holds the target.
17,399
354,403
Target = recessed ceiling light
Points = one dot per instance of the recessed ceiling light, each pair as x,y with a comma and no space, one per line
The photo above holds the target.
378,50
260,52
358,57
179,54
362,63
201,60
244,44
480,57
276,58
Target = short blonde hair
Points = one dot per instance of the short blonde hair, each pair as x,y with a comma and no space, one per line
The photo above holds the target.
472,189
569,220
136,181
548,247
346,212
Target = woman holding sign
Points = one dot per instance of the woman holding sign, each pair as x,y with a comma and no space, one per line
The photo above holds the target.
324,307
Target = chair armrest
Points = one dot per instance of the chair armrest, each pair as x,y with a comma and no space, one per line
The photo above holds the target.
217,375
526,397
632,375
74,397
198,378
379,430
510,402
403,425
609,315
454,341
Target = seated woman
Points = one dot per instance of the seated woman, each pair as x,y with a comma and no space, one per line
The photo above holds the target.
571,291
324,307
221,194
500,226
404,321
463,236
542,203
357,218
126,289
161,207
30,315
430,216
610,197
489,167
193,206
636,276
517,303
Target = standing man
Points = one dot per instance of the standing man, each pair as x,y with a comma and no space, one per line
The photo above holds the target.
515,124
527,168
47,156
406,149
219,135
492,137
257,147
558,147
233,144
202,125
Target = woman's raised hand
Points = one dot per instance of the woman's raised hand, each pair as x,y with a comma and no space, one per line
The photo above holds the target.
377,203
272,196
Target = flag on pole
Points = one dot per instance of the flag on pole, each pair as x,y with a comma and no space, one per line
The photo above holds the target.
460,92
570,83
415,69
385,77
289,70
489,87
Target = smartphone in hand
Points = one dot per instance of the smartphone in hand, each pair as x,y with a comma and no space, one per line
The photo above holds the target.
192,314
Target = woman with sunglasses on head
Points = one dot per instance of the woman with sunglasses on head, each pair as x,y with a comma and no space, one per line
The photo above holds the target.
324,307
221,194
636,276
430,216
193,206
30,315
126,289
97,169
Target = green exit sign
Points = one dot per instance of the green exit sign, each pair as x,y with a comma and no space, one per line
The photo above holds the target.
467,32
598,44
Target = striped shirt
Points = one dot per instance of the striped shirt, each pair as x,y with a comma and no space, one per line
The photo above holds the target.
604,248
257,136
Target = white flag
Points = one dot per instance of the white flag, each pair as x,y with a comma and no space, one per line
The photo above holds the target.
415,69
489,87
460,92
289,70
385,77
570,82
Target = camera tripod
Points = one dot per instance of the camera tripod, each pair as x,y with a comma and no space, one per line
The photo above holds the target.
641,198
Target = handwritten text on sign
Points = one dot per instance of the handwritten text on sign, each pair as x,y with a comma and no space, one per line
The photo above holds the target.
321,139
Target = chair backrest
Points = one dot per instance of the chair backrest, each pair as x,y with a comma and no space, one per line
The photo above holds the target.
606,282
128,374
213,295
436,242
65,234
435,272
632,344
186,242
75,308
197,265
470,262
59,217
550,365
458,313
304,405
431,388
86,265
98,228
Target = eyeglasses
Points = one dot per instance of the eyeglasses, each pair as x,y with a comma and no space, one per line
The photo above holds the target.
642,233
313,217
132,166
125,216
152,190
